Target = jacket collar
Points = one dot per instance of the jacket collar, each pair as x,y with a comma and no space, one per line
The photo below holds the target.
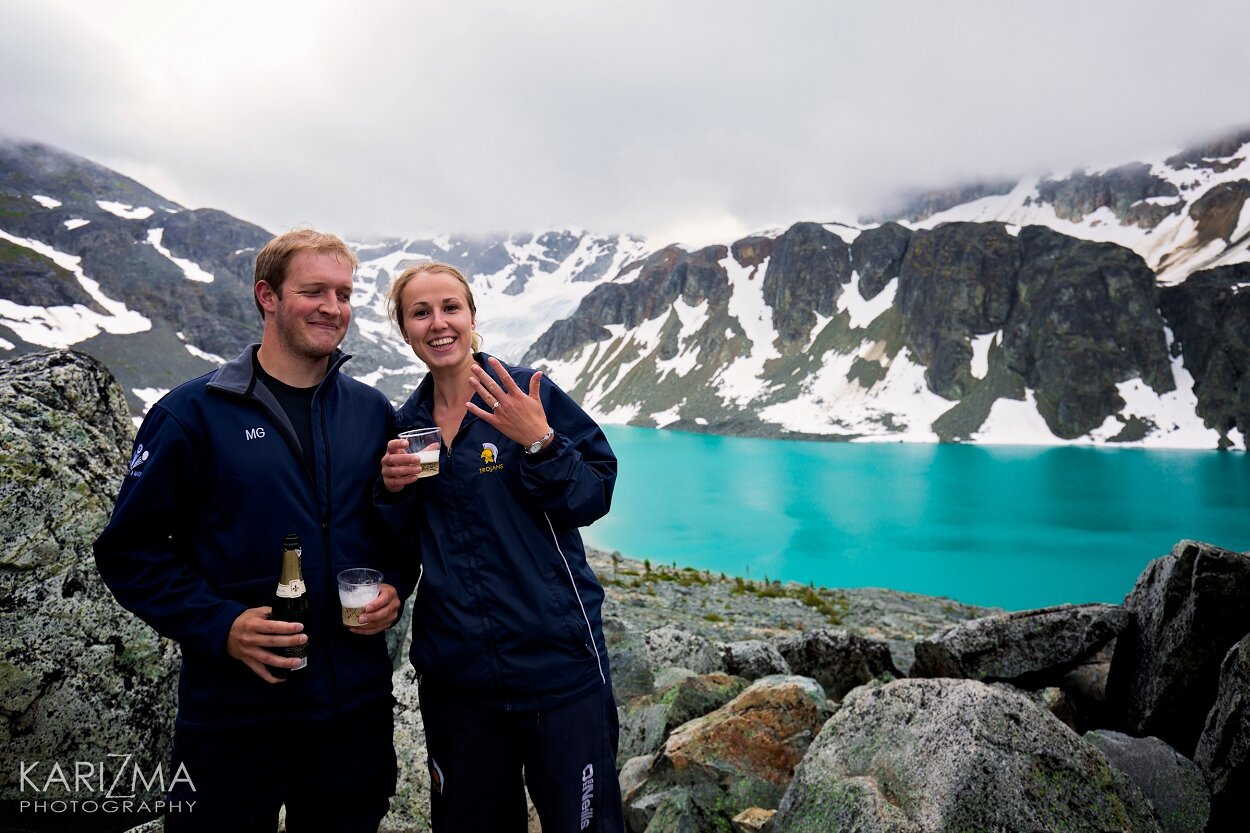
238,375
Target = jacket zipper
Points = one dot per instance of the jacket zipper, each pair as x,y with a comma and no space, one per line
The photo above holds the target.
328,582
311,472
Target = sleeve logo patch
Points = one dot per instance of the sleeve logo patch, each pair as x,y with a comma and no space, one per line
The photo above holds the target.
137,460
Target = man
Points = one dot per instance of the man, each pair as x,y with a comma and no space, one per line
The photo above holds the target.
224,467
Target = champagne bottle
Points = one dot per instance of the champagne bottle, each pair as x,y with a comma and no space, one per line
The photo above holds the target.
290,603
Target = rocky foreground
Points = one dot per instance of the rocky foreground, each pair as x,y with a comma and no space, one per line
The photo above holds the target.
744,706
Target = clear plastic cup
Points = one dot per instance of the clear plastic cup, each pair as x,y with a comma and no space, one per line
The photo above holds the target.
425,443
357,587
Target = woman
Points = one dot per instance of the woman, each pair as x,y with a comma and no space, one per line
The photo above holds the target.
507,638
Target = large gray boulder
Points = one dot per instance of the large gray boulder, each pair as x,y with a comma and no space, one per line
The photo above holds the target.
838,660
930,755
1189,608
632,675
752,659
1032,648
669,647
1224,748
1173,784
81,679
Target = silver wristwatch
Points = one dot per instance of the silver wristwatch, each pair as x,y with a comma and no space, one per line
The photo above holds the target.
537,445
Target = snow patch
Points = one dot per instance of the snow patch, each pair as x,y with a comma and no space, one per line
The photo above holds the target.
692,320
667,417
77,222
622,415
1012,422
739,382
831,403
1174,414
203,354
1177,425
126,212
845,232
149,396
60,327
376,376
864,312
46,202
981,352
189,267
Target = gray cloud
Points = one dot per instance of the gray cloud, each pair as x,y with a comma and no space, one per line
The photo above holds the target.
397,117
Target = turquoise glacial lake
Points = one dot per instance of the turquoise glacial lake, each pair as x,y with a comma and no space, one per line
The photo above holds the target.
1016,527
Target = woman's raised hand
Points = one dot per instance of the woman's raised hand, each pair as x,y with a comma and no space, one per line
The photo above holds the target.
518,414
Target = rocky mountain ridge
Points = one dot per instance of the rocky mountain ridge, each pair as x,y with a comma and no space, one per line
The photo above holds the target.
1071,297
1098,307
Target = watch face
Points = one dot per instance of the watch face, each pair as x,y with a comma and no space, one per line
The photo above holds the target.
537,445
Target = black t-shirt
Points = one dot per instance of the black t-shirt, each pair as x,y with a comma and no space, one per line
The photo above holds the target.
297,403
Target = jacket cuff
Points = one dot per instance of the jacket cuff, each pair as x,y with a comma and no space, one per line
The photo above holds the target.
213,642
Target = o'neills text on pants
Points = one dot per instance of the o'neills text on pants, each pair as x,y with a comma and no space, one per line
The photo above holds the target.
588,794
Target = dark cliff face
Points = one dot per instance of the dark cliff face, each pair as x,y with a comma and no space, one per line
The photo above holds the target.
877,255
1218,211
227,248
1209,315
751,251
215,240
663,278
1077,317
1125,190
955,282
806,273
1086,318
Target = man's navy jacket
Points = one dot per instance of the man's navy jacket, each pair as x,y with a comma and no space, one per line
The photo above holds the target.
215,481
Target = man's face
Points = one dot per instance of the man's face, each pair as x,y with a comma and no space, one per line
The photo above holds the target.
311,315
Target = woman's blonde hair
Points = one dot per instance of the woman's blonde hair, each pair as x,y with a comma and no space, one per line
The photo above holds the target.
394,299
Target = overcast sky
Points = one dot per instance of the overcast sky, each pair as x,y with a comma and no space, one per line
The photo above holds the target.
694,121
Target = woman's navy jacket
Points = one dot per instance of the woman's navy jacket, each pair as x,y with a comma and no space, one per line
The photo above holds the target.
507,610
215,481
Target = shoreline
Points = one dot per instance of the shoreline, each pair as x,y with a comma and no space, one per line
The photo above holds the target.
770,432
730,609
